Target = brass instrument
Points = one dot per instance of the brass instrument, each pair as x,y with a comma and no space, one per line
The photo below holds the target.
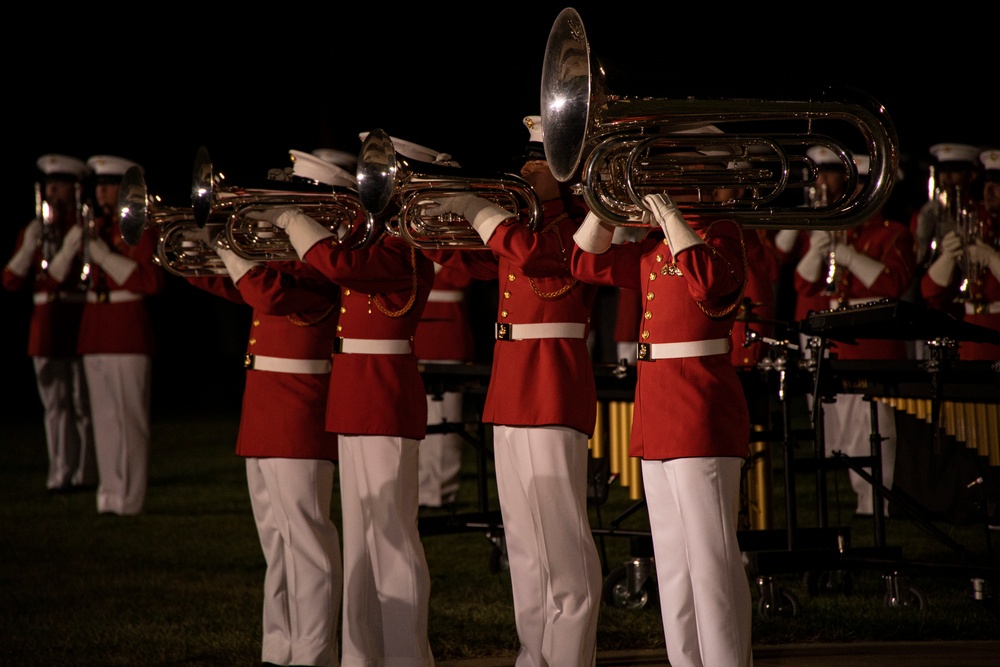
392,191
184,248
337,208
970,229
50,233
630,147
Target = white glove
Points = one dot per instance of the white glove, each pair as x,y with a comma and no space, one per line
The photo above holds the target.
236,266
303,232
482,214
117,266
866,269
981,254
63,259
942,268
663,212
784,240
594,235
22,259
811,265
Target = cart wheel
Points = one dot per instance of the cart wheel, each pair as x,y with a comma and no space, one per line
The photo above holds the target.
617,594
828,582
777,602
905,596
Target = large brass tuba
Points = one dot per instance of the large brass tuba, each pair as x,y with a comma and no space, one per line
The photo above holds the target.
397,197
630,147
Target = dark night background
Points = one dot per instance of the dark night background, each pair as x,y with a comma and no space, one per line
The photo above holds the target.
154,84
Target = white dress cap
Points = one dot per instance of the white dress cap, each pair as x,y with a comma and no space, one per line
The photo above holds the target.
54,164
990,159
534,125
110,165
418,152
823,155
343,159
955,153
310,167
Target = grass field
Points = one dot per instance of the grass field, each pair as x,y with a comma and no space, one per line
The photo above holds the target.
180,584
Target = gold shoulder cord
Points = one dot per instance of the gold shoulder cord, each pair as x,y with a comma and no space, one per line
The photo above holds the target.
565,288
302,322
743,287
413,292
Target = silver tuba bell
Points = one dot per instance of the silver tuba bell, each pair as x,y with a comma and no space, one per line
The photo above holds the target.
624,148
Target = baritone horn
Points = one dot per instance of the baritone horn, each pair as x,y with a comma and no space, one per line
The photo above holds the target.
183,247
625,148
394,192
335,207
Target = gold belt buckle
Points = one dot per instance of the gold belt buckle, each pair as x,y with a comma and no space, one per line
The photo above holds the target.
248,361
643,352
504,331
338,345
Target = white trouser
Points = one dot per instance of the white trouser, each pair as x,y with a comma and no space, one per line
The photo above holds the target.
554,567
62,389
847,428
120,386
441,453
693,505
386,580
304,577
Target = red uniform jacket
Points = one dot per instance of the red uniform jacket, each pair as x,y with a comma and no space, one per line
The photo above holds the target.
384,289
763,262
984,295
295,311
445,331
114,324
55,316
691,406
891,243
542,381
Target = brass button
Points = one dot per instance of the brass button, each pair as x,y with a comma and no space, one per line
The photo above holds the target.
648,315
253,341
510,277
343,309
659,258
649,296
652,275
506,294
256,323
645,335
339,328
347,292
503,313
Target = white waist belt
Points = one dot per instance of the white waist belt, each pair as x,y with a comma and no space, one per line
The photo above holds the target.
371,346
446,296
505,331
259,362
835,303
49,297
692,348
982,308
113,296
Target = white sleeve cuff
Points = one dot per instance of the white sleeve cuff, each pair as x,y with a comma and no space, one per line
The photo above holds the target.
304,232
594,236
487,221
119,267
866,269
679,234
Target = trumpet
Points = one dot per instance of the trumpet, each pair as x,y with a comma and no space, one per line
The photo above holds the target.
624,148
970,229
337,208
393,192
